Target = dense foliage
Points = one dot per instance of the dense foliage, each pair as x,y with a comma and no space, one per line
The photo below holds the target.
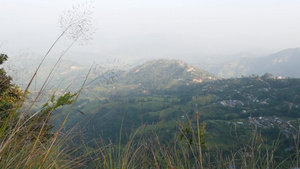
25,134
10,94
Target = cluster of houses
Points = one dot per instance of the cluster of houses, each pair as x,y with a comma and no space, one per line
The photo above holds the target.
268,122
235,103
232,103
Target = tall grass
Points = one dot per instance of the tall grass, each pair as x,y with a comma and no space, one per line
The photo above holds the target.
187,150
26,139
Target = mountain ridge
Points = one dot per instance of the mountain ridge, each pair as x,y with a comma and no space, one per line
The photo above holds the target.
283,63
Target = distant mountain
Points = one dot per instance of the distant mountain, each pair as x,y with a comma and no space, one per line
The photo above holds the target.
158,74
66,74
22,69
284,63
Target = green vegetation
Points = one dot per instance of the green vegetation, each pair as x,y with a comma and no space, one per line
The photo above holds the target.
225,100
25,137
234,110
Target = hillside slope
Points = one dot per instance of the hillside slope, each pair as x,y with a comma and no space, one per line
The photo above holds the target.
159,74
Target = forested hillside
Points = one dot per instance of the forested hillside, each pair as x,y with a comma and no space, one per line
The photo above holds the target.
265,103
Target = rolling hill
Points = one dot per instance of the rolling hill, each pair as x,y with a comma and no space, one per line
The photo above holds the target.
159,74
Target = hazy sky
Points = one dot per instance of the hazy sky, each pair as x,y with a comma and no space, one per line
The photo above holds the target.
135,29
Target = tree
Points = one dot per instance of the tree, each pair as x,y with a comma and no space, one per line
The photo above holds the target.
266,76
37,124
10,94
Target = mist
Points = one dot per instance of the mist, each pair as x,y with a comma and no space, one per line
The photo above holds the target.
132,31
